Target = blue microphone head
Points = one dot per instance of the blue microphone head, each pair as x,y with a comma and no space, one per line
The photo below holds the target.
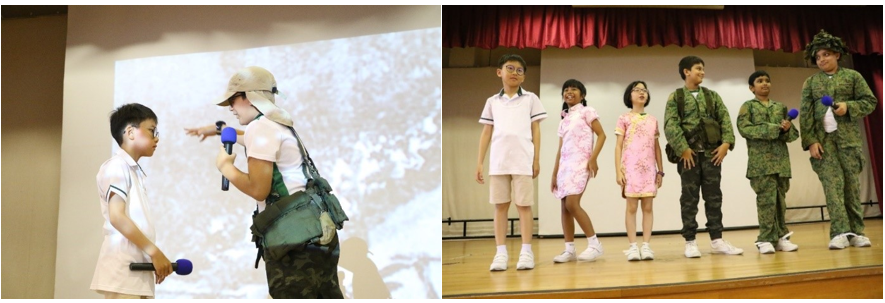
793,113
228,135
185,267
827,100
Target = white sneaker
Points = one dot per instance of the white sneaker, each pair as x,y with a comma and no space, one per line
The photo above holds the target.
591,253
645,252
632,253
724,247
565,256
784,244
526,261
499,262
839,242
765,247
691,249
860,241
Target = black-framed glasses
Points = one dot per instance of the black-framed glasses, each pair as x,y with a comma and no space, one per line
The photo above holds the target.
513,69
155,133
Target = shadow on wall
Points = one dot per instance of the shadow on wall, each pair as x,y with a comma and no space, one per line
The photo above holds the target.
366,279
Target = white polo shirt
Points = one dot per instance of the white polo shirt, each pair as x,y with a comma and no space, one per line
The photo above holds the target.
512,151
271,141
124,177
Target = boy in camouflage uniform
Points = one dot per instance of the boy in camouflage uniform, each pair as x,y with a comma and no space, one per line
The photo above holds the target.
832,136
767,128
699,166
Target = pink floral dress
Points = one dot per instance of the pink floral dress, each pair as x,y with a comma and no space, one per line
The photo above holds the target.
578,140
638,154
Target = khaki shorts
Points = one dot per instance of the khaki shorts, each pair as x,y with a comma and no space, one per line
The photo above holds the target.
520,186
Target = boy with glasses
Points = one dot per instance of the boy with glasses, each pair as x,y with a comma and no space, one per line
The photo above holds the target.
512,120
129,235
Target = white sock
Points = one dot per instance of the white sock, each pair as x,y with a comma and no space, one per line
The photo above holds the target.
633,244
502,249
717,241
592,241
644,243
570,247
527,248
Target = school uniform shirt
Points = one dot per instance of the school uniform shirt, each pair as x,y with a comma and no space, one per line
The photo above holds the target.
512,151
122,176
271,141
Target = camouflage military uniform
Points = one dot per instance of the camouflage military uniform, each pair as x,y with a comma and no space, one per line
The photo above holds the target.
842,159
311,273
768,163
704,175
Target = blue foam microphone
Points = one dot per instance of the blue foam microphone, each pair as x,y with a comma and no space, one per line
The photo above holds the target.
793,113
228,138
181,267
828,101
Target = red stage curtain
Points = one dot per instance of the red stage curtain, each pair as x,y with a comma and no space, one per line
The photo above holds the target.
786,28
871,69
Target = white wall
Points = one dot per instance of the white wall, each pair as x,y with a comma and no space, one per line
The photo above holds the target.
100,36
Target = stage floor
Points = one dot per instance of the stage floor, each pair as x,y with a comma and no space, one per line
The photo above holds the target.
466,262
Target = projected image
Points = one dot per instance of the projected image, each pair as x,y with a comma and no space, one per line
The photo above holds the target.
368,110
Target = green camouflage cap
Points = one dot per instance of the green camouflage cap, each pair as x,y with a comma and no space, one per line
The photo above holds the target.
824,40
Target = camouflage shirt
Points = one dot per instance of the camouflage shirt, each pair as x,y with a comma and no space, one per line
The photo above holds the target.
846,85
675,127
767,150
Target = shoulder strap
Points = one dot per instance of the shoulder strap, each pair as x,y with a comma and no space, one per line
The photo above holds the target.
307,166
680,102
709,100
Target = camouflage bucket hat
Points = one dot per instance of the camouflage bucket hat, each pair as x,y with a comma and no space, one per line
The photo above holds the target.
824,40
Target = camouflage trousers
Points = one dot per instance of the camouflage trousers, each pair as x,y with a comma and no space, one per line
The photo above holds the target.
771,191
311,273
704,177
839,171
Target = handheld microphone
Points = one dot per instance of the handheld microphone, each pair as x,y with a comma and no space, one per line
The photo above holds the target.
793,113
181,267
828,101
228,138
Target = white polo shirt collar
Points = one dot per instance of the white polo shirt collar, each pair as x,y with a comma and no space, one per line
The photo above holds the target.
131,162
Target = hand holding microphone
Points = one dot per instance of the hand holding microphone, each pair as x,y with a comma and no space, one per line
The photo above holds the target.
792,114
228,138
838,107
181,267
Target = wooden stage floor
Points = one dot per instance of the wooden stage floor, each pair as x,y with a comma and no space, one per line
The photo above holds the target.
466,268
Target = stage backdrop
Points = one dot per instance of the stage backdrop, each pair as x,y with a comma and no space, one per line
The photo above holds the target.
366,101
606,73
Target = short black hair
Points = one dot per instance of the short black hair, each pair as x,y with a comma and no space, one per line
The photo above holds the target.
576,84
628,94
757,74
129,114
687,63
512,57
